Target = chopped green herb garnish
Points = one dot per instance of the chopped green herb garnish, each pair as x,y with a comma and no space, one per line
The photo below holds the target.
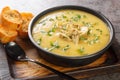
84,16
90,42
66,48
81,50
54,46
51,19
107,34
64,16
83,38
76,18
58,18
44,24
50,33
95,35
39,41
87,24
53,29
43,21
95,24
96,39
99,30
89,32
55,26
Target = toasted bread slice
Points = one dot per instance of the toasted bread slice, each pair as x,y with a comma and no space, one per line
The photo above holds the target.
11,19
7,35
23,31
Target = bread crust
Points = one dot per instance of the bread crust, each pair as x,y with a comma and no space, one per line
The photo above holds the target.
7,35
11,19
13,24
23,31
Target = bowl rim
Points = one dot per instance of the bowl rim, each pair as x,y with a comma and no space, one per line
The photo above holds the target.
73,7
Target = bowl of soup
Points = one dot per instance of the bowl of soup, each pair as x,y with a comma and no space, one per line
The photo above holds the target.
71,35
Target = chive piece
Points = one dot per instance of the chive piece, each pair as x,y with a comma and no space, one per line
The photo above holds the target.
58,18
51,19
99,31
66,47
88,24
83,38
107,34
95,24
43,21
55,25
44,24
96,39
81,50
76,18
54,46
90,42
50,33
53,29
83,22
64,16
84,16
95,35
89,32
39,41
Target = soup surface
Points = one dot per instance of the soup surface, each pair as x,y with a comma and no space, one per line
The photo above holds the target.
71,33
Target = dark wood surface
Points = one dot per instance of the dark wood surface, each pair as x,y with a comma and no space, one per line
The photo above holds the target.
110,8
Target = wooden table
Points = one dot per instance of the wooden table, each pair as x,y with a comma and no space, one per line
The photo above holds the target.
110,8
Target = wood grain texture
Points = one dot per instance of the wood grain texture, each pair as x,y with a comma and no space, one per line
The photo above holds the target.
110,8
28,69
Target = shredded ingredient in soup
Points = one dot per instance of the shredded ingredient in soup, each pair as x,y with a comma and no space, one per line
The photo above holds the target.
71,33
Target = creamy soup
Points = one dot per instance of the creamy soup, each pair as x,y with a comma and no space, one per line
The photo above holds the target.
71,33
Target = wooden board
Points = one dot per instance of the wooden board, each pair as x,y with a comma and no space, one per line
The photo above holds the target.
111,11
28,70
